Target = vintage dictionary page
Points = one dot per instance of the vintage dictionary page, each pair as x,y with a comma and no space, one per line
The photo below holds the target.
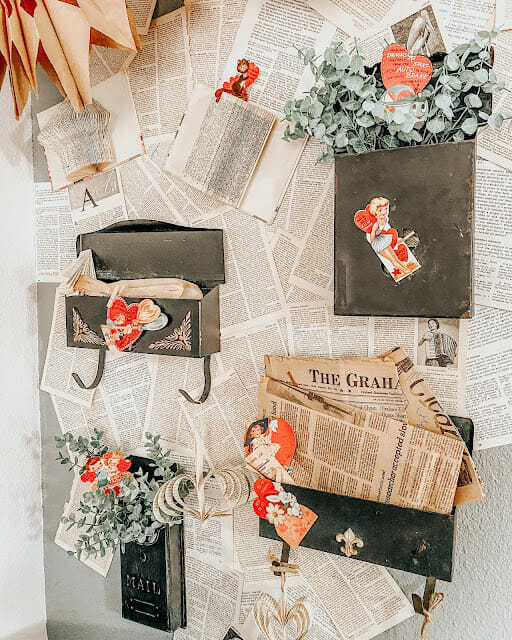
368,384
67,539
496,146
361,598
219,144
141,11
55,235
353,16
493,245
464,18
213,597
345,450
213,538
105,62
161,75
212,28
489,392
423,409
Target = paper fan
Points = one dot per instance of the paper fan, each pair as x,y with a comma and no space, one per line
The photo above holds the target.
58,34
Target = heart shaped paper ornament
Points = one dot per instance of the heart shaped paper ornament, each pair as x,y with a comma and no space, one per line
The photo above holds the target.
402,253
275,435
125,323
399,67
276,622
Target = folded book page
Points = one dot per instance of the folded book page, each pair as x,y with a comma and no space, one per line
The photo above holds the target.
219,144
349,451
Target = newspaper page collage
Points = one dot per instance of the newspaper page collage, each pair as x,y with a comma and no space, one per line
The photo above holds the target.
278,296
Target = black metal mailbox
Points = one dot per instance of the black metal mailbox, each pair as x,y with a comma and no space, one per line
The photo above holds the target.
153,576
420,542
148,249
430,190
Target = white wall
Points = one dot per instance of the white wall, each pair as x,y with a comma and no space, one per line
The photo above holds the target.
22,610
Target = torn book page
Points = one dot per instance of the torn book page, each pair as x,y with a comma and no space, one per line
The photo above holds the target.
105,62
213,597
464,18
161,75
489,376
55,235
372,457
504,14
67,539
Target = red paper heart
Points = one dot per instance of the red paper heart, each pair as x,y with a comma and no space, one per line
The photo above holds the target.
399,67
126,329
275,435
402,253
264,488
365,220
260,507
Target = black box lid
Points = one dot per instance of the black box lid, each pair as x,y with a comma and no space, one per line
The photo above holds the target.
150,249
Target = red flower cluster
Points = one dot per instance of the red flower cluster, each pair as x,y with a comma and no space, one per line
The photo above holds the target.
106,472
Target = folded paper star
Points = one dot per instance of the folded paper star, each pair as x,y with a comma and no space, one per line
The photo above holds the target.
58,34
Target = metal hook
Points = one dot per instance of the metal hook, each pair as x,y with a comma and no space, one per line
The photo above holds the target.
99,373
207,384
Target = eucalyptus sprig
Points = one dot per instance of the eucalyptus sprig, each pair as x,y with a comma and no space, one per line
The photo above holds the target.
104,519
344,108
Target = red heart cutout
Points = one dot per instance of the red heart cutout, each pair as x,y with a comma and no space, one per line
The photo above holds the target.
260,507
264,488
276,435
399,67
402,253
365,220
126,329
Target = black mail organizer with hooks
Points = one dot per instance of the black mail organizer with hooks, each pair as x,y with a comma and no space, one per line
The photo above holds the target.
420,542
150,249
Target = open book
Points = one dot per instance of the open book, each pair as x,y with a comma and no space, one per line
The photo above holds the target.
232,151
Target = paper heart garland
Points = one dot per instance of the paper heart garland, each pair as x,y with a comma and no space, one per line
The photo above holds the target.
399,67
169,503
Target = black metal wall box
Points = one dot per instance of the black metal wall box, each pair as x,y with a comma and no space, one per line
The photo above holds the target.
430,189
149,249
420,542
153,577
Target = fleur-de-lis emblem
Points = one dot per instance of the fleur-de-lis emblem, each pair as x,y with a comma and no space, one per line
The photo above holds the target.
351,541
